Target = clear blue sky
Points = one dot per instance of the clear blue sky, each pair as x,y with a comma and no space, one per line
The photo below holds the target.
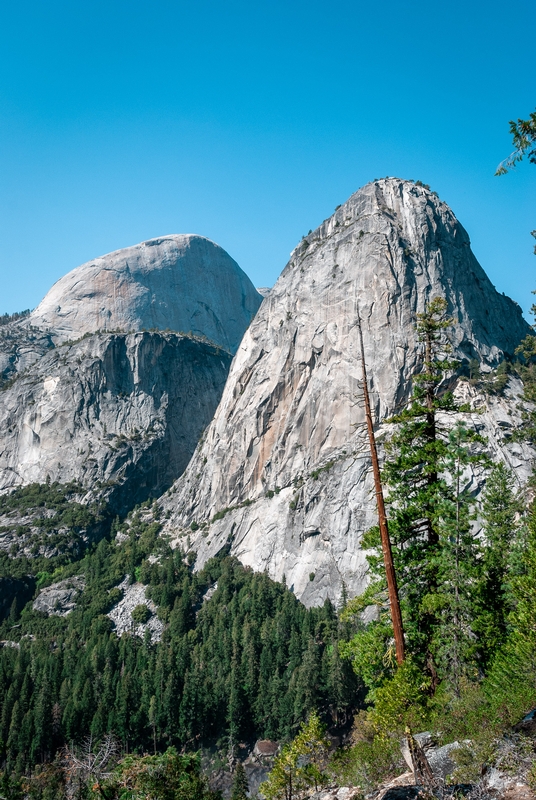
249,122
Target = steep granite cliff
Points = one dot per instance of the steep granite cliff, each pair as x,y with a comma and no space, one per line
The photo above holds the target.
87,395
283,472
121,413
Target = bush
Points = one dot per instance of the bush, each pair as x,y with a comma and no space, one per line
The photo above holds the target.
141,614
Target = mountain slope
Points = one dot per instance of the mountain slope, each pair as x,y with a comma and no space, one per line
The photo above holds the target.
283,471
121,411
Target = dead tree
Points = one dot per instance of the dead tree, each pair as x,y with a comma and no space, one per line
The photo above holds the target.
392,588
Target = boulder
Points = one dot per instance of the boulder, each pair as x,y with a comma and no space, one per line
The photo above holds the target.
59,599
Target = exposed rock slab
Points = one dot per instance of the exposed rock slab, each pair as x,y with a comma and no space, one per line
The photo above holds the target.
121,613
184,283
59,599
283,471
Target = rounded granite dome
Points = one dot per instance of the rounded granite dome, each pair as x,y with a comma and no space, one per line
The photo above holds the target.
180,282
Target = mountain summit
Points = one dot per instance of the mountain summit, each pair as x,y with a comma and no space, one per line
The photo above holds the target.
284,472
181,283
113,377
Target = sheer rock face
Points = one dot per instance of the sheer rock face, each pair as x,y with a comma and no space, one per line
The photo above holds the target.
183,283
87,395
284,472
121,413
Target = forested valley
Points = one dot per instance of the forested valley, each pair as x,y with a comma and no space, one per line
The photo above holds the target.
250,662
240,658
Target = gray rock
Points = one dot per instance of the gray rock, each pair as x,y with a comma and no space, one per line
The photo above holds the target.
120,413
183,283
338,793
283,472
426,740
59,599
121,613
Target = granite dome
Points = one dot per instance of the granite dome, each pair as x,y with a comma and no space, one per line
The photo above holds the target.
179,282
283,472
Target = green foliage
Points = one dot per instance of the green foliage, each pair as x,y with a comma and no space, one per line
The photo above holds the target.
315,474
524,139
502,558
250,662
170,776
403,700
510,685
526,369
140,614
5,319
494,382
370,759
55,529
300,764
435,551
240,783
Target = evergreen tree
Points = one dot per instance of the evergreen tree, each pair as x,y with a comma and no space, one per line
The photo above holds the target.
300,764
501,548
434,549
240,783
453,644
415,474
230,666
511,683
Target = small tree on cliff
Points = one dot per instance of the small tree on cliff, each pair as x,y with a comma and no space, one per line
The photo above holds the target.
240,783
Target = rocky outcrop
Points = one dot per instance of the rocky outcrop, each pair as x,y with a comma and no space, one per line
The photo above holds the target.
184,283
59,599
112,379
120,413
88,393
283,472
121,613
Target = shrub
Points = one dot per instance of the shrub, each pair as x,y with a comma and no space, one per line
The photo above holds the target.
140,614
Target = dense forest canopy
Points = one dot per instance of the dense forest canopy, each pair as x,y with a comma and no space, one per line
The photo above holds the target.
248,662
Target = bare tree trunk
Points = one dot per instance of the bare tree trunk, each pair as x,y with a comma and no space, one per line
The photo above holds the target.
394,601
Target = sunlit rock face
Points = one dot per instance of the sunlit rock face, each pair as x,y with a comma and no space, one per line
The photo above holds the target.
112,379
183,283
283,472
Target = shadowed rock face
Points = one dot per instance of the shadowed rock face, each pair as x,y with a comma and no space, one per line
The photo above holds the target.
120,413
284,467
182,283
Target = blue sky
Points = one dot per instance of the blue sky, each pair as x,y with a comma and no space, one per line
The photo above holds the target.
248,123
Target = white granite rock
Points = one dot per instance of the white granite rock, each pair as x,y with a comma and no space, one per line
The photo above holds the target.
283,471
121,613
184,283
119,413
